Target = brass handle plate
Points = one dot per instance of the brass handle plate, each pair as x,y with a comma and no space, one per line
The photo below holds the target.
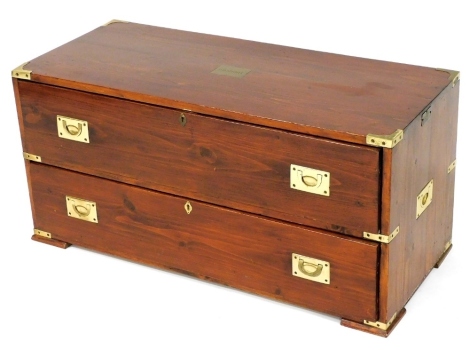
73,129
310,180
82,209
424,199
310,268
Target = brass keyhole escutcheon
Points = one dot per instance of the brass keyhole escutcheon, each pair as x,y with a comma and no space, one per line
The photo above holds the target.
182,119
188,208
425,198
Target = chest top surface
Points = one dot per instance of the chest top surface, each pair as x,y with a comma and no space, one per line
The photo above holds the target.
311,92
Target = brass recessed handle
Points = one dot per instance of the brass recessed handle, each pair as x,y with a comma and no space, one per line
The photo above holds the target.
81,210
72,129
317,272
424,198
309,181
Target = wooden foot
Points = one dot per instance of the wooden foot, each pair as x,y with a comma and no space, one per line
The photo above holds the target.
369,329
442,258
51,241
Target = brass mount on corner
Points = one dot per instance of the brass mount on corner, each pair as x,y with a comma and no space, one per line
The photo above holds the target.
380,325
42,233
21,73
454,75
114,21
377,237
385,141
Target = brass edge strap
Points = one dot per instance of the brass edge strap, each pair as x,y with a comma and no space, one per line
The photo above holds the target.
385,141
381,238
453,75
32,157
114,21
380,325
21,73
42,233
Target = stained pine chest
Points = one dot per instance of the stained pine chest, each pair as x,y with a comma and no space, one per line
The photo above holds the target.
322,180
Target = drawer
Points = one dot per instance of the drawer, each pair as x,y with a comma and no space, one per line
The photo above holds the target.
231,164
241,250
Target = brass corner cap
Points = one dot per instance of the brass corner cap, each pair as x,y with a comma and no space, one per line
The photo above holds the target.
21,73
385,141
380,325
453,75
114,21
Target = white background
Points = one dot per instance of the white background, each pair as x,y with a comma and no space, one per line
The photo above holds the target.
76,299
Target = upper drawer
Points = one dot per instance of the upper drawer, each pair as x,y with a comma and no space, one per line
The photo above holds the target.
227,163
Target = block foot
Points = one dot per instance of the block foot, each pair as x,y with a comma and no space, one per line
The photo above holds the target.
369,329
51,241
443,257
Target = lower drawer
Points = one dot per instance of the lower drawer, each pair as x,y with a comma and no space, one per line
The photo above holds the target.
213,243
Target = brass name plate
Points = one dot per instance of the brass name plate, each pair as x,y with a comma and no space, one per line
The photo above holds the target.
72,129
310,268
231,71
81,209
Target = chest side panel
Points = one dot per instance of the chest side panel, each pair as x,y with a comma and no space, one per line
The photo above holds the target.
426,154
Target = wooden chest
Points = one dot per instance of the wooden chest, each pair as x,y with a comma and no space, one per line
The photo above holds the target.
322,180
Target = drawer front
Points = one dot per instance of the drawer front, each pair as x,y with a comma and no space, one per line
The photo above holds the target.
231,164
244,251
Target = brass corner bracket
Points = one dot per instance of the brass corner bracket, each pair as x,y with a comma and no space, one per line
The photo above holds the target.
42,233
385,141
380,325
381,238
114,21
453,75
21,73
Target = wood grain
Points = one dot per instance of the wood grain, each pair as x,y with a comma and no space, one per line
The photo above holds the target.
317,93
231,164
424,154
18,108
50,241
221,245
